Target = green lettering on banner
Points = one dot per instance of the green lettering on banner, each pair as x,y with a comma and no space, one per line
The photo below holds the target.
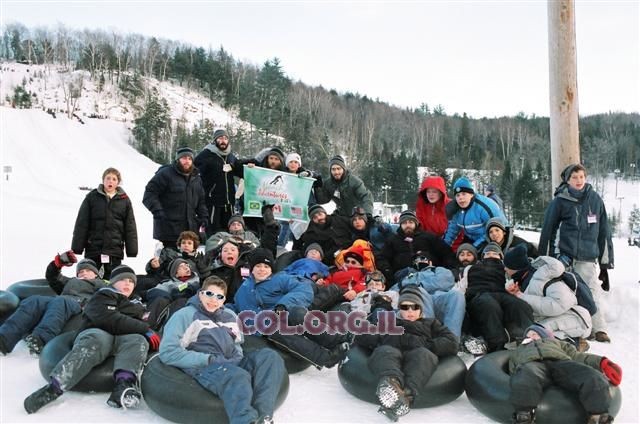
288,192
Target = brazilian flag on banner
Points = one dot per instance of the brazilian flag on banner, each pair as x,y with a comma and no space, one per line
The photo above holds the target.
288,192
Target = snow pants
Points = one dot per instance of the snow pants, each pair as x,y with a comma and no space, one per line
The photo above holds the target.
589,272
42,316
412,367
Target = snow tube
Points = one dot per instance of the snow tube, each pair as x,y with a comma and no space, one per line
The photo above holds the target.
445,385
177,397
27,288
8,304
487,387
292,363
100,379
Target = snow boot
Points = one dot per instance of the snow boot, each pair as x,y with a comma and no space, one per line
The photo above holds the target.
391,395
387,412
475,346
600,419
125,395
524,417
41,397
337,354
34,344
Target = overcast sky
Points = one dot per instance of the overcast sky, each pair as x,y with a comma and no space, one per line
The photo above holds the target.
484,58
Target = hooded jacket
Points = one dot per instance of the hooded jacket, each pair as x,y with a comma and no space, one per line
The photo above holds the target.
278,289
433,216
510,239
194,337
105,225
472,220
550,349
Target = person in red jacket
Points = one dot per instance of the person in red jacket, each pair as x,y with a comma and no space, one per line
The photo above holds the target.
430,207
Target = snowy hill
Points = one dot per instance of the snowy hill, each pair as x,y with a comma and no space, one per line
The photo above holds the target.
52,158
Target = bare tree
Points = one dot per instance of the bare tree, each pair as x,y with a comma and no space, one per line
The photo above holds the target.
72,90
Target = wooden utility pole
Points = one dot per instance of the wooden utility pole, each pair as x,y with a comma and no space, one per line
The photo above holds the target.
563,87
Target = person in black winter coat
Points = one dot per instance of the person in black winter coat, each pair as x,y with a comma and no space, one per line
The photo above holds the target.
218,166
400,249
105,225
492,312
404,363
175,196
112,325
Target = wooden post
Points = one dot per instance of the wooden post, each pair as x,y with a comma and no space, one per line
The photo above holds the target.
563,87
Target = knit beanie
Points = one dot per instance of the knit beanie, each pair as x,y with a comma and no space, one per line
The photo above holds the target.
184,151
411,294
406,216
566,172
236,218
173,268
121,272
467,246
354,255
314,246
291,157
516,258
219,133
276,151
463,185
497,222
493,247
338,160
87,264
544,332
261,256
314,209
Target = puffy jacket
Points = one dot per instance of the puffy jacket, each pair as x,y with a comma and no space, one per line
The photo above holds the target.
578,238
347,193
485,276
176,201
195,337
105,225
174,288
72,286
433,217
219,186
305,267
350,279
550,349
279,289
471,220
433,279
115,313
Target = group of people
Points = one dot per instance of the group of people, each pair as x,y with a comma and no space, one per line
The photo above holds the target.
453,272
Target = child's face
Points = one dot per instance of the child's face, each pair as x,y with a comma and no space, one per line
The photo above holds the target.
124,286
187,245
359,222
496,234
375,285
209,298
577,180
235,227
293,165
491,255
110,183
463,199
533,335
314,254
261,272
229,254
86,274
409,311
184,270
433,195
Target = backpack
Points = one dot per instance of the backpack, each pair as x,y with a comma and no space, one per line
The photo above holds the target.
578,287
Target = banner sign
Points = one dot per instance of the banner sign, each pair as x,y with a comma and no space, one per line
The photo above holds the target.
288,192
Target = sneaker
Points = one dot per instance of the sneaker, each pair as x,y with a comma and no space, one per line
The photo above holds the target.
34,344
523,417
125,395
337,354
602,337
475,346
265,420
40,398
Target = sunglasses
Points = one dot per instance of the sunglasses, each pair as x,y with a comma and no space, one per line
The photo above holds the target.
412,307
210,294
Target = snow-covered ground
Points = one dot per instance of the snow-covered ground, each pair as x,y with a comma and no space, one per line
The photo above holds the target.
52,158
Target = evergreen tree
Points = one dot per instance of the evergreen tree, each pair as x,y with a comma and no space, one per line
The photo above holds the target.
152,130
525,198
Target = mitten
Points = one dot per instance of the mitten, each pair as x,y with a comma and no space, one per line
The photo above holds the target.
154,339
67,258
304,174
611,370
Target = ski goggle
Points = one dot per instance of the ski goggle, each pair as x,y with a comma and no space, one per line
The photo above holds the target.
211,294
409,307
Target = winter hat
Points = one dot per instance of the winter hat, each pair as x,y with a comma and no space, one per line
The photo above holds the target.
291,157
338,160
408,215
358,211
173,268
236,218
375,275
275,151
544,332
490,188
411,294
121,272
467,246
314,209
493,247
87,264
566,173
261,256
354,255
516,258
184,151
314,246
497,222
219,133
463,185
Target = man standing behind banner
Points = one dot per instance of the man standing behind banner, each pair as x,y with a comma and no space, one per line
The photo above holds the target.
217,166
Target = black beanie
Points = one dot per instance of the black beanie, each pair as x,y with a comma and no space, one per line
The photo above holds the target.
314,209
516,258
87,264
338,160
493,247
121,272
184,151
412,294
275,151
261,256
406,216
219,133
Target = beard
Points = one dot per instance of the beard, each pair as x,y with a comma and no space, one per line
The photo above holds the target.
186,170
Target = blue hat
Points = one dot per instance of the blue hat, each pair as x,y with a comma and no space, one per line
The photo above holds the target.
463,185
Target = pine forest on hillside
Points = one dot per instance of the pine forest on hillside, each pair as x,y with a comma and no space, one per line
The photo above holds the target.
382,143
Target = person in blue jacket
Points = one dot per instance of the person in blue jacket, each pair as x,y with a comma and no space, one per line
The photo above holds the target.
281,292
578,218
203,340
469,214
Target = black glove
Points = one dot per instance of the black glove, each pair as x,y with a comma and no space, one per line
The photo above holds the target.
380,302
267,215
604,277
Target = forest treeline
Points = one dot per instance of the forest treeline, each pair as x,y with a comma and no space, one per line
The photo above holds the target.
382,143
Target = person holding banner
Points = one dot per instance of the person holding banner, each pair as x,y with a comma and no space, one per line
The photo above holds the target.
345,189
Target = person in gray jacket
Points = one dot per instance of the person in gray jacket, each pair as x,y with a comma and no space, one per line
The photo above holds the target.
345,189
